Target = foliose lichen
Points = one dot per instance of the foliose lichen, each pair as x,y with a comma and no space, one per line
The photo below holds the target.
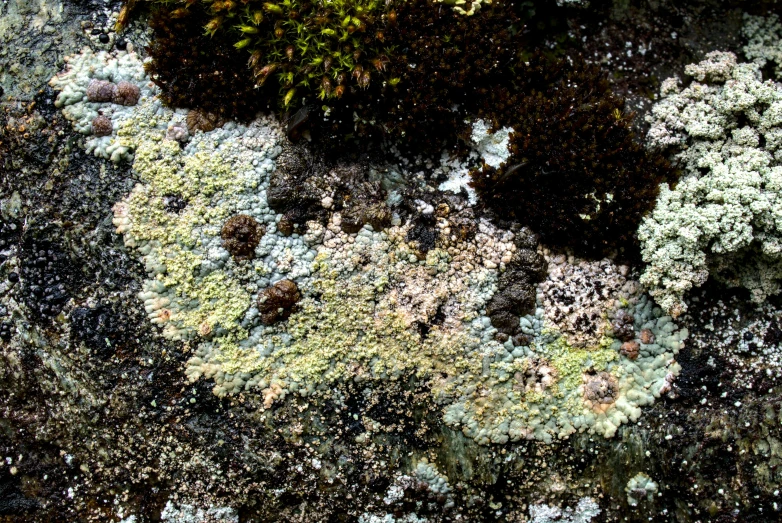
763,34
103,87
640,488
585,510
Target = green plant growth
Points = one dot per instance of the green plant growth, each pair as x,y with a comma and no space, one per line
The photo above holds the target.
311,48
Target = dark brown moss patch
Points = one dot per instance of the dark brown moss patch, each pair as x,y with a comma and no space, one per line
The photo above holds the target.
196,71
448,63
304,188
576,175
241,235
516,288
277,302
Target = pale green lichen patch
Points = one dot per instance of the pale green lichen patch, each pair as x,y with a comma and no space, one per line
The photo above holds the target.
358,318
724,217
370,305
209,300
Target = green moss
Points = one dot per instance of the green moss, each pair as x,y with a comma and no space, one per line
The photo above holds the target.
310,48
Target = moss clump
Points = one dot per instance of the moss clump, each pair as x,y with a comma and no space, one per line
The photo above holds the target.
448,64
315,49
200,72
576,175
381,69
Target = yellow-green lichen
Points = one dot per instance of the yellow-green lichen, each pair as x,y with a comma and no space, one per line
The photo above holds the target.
214,299
348,330
571,363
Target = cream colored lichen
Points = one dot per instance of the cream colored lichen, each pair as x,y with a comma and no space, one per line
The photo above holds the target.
373,307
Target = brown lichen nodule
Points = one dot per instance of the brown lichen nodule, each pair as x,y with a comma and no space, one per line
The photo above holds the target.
623,325
198,120
101,91
241,235
126,93
600,390
277,302
102,126
630,349
646,337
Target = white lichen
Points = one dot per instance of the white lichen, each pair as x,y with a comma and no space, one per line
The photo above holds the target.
640,488
586,509
764,41
491,146
186,513
83,68
724,217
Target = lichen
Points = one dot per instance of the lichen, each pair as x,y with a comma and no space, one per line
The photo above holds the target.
408,299
78,86
640,488
762,34
724,218
585,510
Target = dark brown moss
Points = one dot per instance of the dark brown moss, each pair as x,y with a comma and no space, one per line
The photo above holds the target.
201,72
516,288
241,234
277,302
576,175
447,63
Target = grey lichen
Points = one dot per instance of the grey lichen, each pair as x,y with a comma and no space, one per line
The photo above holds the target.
724,218
640,488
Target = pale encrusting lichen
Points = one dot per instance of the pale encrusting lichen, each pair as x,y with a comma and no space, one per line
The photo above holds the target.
185,513
585,510
640,488
549,388
764,47
724,217
372,304
78,85
465,7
